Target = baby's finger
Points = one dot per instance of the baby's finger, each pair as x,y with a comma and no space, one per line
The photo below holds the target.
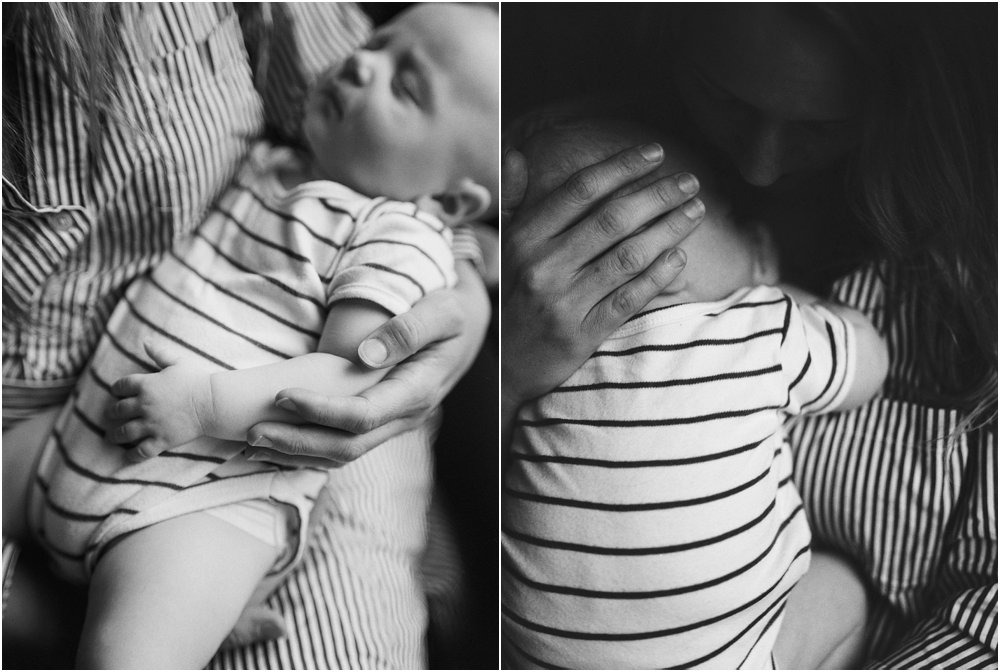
129,432
125,409
129,386
159,355
145,450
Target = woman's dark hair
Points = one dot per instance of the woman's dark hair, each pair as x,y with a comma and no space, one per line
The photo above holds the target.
924,181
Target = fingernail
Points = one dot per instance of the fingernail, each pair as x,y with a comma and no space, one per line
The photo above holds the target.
694,208
687,183
373,352
262,442
676,258
287,404
651,152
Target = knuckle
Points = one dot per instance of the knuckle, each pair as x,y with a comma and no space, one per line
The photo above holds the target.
610,221
625,301
407,333
663,193
535,279
629,258
582,186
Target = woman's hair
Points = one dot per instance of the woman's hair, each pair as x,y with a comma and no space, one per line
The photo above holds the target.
923,179
84,43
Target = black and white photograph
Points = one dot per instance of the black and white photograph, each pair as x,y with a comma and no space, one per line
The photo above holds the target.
749,336
249,252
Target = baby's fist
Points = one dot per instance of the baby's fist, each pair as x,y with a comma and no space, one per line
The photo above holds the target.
162,410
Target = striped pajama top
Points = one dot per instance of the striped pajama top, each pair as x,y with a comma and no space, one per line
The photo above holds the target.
251,287
79,226
650,520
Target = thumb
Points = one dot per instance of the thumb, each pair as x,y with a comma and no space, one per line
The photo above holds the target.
159,355
256,624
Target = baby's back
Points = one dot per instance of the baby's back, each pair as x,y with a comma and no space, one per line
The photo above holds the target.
650,520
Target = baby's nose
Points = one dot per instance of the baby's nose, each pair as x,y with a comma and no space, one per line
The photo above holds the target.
357,69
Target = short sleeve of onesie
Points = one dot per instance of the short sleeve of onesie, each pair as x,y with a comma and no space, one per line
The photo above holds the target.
395,258
817,359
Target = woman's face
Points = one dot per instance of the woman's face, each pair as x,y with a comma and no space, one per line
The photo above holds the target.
778,94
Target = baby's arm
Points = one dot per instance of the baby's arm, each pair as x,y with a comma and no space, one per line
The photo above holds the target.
871,358
185,401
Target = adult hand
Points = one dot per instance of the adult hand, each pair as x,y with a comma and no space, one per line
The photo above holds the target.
430,348
581,261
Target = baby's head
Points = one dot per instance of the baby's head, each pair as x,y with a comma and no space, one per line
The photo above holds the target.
413,114
722,254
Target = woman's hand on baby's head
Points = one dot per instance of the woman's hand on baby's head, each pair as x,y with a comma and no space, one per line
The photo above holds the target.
578,262
162,410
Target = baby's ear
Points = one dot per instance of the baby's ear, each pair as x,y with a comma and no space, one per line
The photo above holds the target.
463,203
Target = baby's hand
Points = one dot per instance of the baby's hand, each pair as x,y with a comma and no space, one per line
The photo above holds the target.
161,410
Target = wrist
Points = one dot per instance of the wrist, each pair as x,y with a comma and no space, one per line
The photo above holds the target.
203,405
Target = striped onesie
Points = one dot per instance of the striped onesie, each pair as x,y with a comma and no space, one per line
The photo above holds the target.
650,520
250,287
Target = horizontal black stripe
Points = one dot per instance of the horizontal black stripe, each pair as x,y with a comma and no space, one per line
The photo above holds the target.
100,478
634,464
659,593
650,634
684,346
639,506
641,550
651,422
675,382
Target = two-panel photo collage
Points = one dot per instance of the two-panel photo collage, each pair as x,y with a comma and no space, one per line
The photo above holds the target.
512,335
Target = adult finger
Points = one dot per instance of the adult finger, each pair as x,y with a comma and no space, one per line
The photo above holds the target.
587,187
633,255
620,217
434,318
625,301
513,182
317,446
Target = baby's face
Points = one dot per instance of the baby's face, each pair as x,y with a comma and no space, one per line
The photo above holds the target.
401,116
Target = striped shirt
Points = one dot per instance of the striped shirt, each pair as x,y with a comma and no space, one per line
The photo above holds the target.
251,287
81,226
892,487
650,520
